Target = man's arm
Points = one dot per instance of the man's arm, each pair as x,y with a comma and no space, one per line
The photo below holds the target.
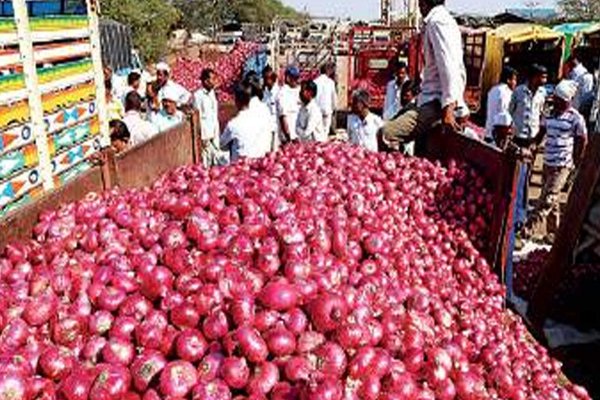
581,141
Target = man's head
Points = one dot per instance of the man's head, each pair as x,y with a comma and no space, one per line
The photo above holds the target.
133,102
328,69
361,101
242,95
163,72
410,90
119,135
169,102
269,77
509,76
425,6
292,76
208,77
308,91
564,93
134,80
502,131
256,87
400,72
538,76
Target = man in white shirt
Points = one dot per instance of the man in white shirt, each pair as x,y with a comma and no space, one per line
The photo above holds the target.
363,125
444,80
261,113
584,97
205,101
288,105
309,127
164,83
271,91
327,98
240,135
140,129
393,101
168,116
498,100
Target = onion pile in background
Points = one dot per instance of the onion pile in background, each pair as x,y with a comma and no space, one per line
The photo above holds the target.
228,68
322,272
577,295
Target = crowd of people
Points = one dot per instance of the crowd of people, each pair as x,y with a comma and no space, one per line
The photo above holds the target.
271,114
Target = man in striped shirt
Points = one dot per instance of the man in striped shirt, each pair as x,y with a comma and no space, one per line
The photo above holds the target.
566,138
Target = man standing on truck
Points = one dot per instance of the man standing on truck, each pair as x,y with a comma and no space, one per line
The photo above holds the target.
393,91
498,100
327,95
444,80
566,140
205,101
164,83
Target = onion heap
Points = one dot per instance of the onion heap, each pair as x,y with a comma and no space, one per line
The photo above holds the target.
319,272
228,68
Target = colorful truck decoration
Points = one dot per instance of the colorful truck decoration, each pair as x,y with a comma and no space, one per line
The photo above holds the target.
41,151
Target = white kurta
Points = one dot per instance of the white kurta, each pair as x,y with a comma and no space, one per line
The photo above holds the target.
309,126
364,132
288,107
244,136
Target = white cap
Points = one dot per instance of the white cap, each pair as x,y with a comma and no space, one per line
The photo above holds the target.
462,111
503,119
170,93
566,90
163,66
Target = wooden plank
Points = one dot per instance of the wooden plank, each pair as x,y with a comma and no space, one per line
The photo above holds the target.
142,165
562,254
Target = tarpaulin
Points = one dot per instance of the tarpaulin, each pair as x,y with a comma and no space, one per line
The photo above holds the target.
573,33
519,33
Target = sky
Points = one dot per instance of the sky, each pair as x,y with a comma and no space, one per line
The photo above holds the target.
369,9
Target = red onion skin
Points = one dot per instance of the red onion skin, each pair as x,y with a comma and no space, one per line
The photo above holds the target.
145,367
209,368
77,385
235,372
279,296
264,379
280,342
213,390
112,382
56,364
191,346
252,345
177,379
327,312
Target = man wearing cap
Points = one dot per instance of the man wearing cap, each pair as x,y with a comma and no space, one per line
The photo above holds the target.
393,91
288,105
164,83
566,140
327,95
526,109
463,115
443,85
168,116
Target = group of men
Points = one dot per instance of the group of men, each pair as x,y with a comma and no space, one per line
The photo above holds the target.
271,115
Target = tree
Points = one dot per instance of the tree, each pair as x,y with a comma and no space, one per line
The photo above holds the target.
211,14
150,21
580,10
204,15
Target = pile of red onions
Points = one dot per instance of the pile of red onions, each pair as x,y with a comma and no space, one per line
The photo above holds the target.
375,89
228,67
322,272
577,295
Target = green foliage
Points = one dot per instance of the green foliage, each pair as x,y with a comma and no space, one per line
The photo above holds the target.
205,15
580,10
150,21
